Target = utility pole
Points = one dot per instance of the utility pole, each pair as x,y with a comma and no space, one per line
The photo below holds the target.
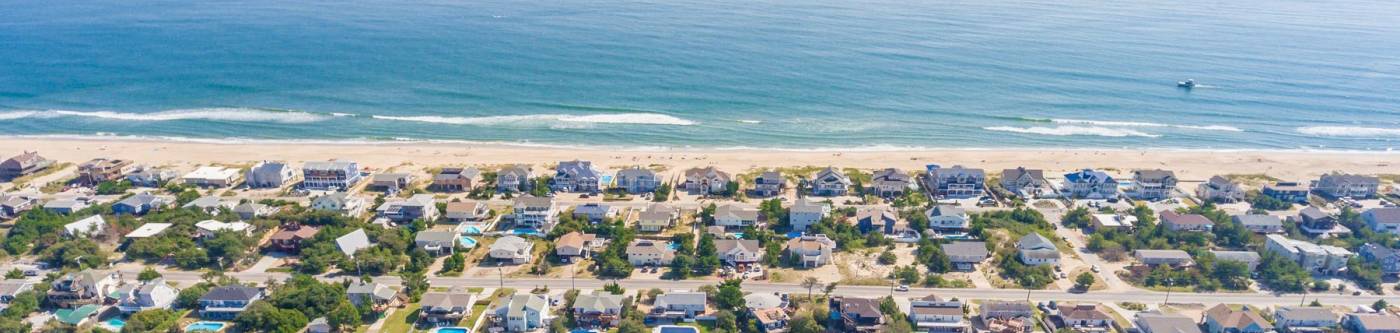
502,275
1169,292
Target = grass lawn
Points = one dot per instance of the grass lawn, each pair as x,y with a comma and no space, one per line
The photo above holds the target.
704,328
402,320
478,310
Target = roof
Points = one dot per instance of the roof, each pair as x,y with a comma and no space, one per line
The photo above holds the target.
811,243
139,200
1163,254
1384,215
946,210
1034,241
1241,256
1167,323
805,205
376,290
593,208
328,165
1240,319
706,172
76,316
865,307
577,168
352,242
1313,213
1005,306
463,207
771,315
573,239
1088,176
12,287
1084,312
748,245
957,171
1261,220
28,159
438,237
598,302
640,246
85,225
762,301
680,297
148,230
231,293
390,177
1171,217
1153,174
635,172
1373,322
439,299
532,201
456,173
212,172
890,175
206,202
936,310
1115,220
657,214
1017,173
302,232
876,215
521,302
833,172
734,211
212,225
966,250
510,243
1306,313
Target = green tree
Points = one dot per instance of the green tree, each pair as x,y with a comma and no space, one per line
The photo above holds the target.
1084,281
188,298
803,323
730,296
158,320
810,283
725,320
344,317
14,274
264,317
887,258
148,274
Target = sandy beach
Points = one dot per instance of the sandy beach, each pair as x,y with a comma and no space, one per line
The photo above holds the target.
1189,165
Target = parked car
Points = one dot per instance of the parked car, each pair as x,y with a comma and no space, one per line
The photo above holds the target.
902,287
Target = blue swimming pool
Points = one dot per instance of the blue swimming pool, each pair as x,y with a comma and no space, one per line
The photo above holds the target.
205,326
451,330
468,242
471,230
527,232
794,234
738,235
116,323
676,329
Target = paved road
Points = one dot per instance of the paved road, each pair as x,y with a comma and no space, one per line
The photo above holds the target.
1140,296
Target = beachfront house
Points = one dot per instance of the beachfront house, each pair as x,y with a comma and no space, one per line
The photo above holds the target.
445,308
736,216
391,182
576,176
1338,185
1387,258
12,205
270,174
26,163
1152,185
1220,189
1318,259
212,176
947,220
657,217
437,242
226,302
82,288
767,184
706,181
515,178
416,207
1223,319
830,182
637,180
455,179
643,252
101,170
811,250
595,212
956,182
1313,221
1185,222
335,175
512,250
538,213
890,182
147,176
806,212
1037,250
1025,183
933,314
1259,223
1300,319
340,202
965,256
1385,219
1293,192
467,211
149,295
1090,184
522,312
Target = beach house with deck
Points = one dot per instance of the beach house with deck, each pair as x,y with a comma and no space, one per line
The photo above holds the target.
957,182
330,175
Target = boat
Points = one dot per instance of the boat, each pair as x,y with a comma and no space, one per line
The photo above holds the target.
1189,83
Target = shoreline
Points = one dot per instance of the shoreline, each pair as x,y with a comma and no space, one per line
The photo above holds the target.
1189,165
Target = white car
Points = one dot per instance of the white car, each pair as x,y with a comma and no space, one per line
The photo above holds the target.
1094,268
902,287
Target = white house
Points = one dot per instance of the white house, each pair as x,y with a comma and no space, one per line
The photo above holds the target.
92,225
212,176
1038,250
736,216
806,212
739,251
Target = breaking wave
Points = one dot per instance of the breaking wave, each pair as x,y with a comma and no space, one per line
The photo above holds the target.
1073,130
1137,124
551,119
1350,131
221,114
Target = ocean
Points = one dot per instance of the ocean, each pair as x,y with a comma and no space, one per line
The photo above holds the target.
814,74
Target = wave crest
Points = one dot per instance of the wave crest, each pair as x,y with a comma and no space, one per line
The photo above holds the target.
551,119
1349,131
1136,124
1073,130
221,114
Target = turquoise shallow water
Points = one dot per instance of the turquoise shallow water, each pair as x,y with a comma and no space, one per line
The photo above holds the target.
775,74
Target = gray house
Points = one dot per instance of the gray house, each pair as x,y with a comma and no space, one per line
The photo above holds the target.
636,180
890,182
327,175
270,174
436,242
956,182
1152,185
830,182
1027,183
576,176
1340,185
1260,223
965,255
767,184
517,178
1387,258
1090,184
226,302
1248,258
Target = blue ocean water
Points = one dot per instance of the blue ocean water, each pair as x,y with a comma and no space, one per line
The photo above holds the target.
1274,74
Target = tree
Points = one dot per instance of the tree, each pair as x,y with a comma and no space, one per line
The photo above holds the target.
887,258
264,317
344,317
415,285
189,297
632,326
1380,305
725,320
730,296
158,320
810,283
14,274
148,274
830,287
1084,281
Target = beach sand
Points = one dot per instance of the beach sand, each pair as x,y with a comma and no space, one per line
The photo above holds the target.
1189,165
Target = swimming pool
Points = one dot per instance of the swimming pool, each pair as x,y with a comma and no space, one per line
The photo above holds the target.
205,326
527,232
676,329
115,323
738,235
471,230
468,242
451,330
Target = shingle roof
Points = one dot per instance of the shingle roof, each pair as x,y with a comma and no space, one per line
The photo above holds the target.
1306,313
1164,323
1242,319
972,251
598,302
1260,220
230,293
353,241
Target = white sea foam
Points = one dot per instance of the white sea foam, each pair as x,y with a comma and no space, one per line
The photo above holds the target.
1141,124
1350,131
223,114
551,119
1073,130
750,121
